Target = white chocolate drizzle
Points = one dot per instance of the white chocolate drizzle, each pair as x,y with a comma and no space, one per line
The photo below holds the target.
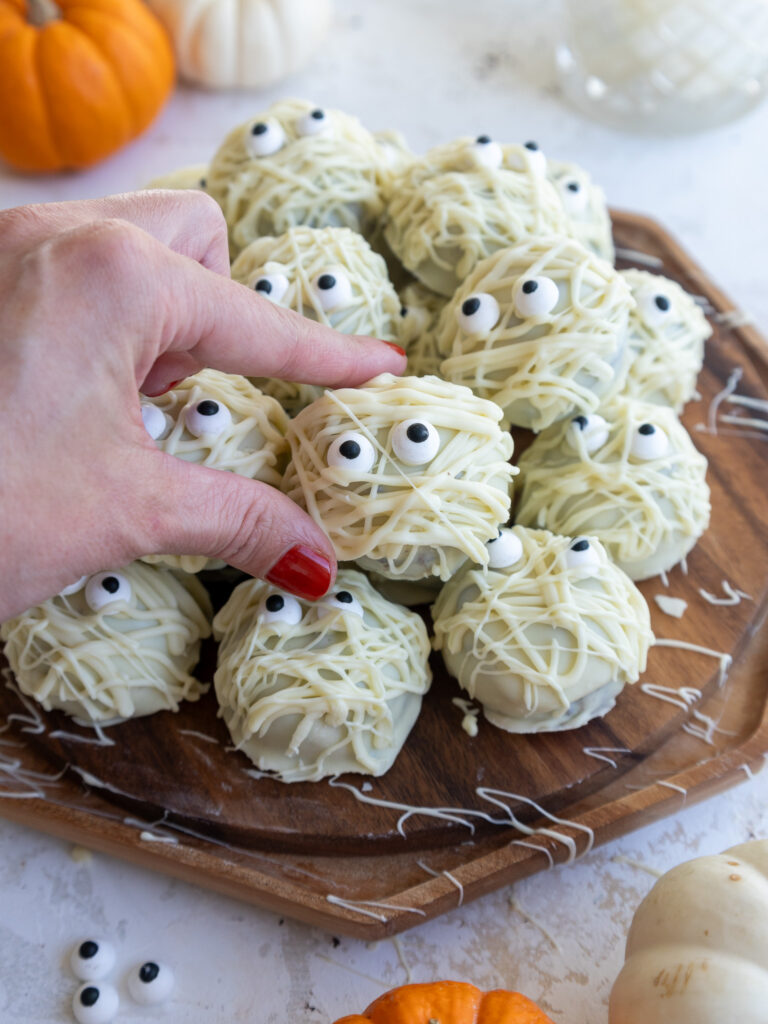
733,596
619,858
530,919
723,657
672,606
469,722
673,785
395,939
444,874
682,698
537,848
637,256
358,906
600,753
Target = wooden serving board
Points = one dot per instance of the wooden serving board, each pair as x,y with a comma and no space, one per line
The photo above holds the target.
168,793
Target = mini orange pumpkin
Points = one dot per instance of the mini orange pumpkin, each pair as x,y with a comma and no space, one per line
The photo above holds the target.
449,1002
80,79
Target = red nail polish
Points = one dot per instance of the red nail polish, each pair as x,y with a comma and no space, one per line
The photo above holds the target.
400,351
302,571
171,386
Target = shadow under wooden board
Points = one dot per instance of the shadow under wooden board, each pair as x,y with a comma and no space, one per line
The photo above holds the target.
456,816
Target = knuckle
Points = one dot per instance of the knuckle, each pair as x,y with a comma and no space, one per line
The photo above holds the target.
20,222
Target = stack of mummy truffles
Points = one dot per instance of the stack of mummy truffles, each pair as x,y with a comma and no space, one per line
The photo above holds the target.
494,268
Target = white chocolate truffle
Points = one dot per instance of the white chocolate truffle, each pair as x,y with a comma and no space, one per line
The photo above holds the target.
419,315
221,421
359,479
330,275
643,492
270,174
540,329
548,638
667,331
453,207
312,689
195,176
133,656
585,207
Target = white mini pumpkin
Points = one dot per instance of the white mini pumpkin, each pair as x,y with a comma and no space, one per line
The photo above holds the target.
228,44
697,950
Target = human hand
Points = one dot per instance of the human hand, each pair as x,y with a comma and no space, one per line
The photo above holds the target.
99,300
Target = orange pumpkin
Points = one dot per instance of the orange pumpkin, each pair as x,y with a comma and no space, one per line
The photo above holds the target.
449,1002
80,79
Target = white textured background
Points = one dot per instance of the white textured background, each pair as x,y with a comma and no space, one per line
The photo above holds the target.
433,69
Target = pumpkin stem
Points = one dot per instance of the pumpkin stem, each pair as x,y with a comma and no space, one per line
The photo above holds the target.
40,12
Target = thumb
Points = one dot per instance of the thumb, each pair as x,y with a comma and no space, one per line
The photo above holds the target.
248,524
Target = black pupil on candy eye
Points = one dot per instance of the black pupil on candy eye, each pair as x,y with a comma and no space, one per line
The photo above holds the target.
483,140
529,287
344,596
417,432
317,114
203,182
662,302
532,145
470,306
89,996
111,584
259,128
403,311
90,948
350,449
326,282
274,603
149,971
580,421
263,286
208,408
646,429
494,539
580,545
572,186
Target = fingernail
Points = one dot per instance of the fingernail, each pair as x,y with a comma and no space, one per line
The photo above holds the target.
302,571
171,386
391,344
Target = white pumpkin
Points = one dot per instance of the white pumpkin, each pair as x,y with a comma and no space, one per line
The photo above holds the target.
697,950
248,44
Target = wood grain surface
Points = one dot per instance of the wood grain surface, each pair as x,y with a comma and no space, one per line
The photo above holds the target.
173,778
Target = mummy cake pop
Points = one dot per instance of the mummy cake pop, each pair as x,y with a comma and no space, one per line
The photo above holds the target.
222,421
119,646
628,475
419,316
298,164
585,207
667,331
408,476
195,176
327,274
464,200
547,635
309,690
540,329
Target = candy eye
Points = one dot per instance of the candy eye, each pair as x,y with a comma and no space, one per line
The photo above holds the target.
654,307
344,601
313,123
150,983
92,959
531,160
478,314
155,421
486,152
106,588
573,195
73,589
207,418
271,286
504,550
351,451
414,320
333,289
415,442
590,431
95,1004
265,138
535,296
582,555
281,608
649,442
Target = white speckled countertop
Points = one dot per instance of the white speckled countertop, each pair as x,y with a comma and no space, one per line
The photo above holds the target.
433,69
